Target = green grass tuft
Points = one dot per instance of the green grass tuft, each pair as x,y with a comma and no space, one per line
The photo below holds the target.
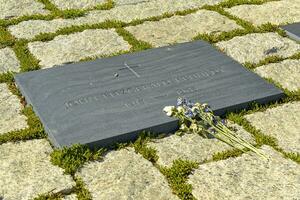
137,45
81,191
6,39
140,146
231,3
227,154
27,61
177,176
72,158
7,77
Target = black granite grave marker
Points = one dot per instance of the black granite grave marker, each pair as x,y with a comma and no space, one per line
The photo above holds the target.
111,100
293,30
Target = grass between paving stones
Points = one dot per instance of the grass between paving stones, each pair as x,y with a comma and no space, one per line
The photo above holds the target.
177,176
271,59
27,61
6,39
80,190
72,158
74,13
56,13
34,131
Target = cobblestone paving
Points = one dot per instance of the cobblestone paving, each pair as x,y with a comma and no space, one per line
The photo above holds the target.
282,122
248,177
286,73
126,13
16,8
8,61
275,12
257,46
179,29
192,147
77,46
69,4
10,109
125,174
26,170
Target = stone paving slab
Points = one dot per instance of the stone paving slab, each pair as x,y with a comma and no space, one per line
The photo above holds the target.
26,171
180,29
74,47
192,146
127,13
70,197
130,2
81,4
275,12
286,73
124,175
258,46
8,61
282,122
10,108
17,8
248,177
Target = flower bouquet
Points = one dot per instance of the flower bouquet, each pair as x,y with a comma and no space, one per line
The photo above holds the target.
199,118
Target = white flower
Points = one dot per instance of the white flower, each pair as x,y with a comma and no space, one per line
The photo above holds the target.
180,109
169,110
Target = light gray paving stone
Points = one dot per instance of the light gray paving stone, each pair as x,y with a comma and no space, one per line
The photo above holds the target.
70,197
126,13
258,46
286,73
26,171
282,122
275,12
17,8
79,4
192,147
124,175
179,29
10,108
248,177
129,2
74,47
8,61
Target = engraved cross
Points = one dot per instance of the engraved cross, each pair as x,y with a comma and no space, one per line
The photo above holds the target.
130,69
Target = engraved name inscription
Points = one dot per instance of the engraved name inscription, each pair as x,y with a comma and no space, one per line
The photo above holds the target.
142,87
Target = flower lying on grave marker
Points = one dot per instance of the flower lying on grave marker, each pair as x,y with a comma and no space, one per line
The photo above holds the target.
199,118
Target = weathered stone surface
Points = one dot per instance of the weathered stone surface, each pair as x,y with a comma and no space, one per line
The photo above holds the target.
8,61
80,4
248,177
182,28
70,197
257,46
16,8
26,171
287,73
124,175
127,13
282,122
74,47
275,12
10,109
192,146
129,2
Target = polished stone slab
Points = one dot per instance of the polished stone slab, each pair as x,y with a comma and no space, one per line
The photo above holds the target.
293,31
111,100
